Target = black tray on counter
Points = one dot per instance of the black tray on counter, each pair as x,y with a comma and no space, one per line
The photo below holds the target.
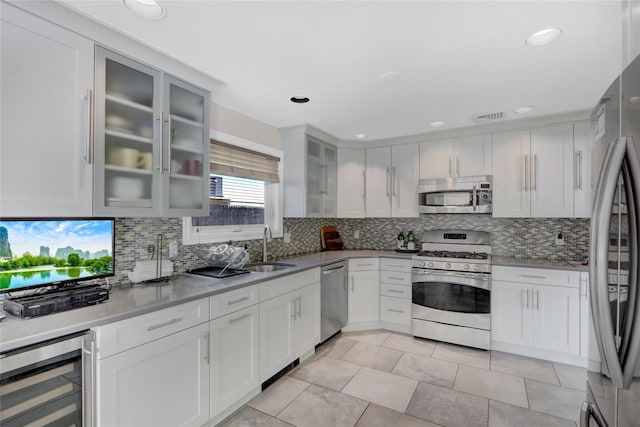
218,272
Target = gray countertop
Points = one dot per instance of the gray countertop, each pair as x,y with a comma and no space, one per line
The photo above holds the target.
132,300
536,263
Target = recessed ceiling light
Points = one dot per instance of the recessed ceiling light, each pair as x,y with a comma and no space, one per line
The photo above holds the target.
635,99
299,99
389,76
524,110
436,124
543,37
148,9
361,135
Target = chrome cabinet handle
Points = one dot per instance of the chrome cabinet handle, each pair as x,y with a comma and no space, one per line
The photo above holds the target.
167,121
388,179
159,122
295,308
207,357
395,311
88,155
531,276
238,300
239,318
450,174
534,171
395,291
393,181
537,300
326,179
578,170
458,165
352,284
525,173
395,278
162,325
527,299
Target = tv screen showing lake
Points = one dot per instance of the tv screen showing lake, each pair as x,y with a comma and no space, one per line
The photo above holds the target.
40,252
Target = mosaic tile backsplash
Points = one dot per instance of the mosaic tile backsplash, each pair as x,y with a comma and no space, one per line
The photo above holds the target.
510,237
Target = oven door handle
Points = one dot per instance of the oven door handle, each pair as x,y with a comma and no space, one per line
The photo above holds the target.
482,281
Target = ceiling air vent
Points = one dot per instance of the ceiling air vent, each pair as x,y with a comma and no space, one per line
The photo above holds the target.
483,117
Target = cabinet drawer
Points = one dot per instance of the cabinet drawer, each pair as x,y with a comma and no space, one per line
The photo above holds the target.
231,301
395,277
125,334
536,276
361,264
395,310
397,291
276,287
395,264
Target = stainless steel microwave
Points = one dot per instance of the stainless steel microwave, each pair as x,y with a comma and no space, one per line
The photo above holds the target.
467,194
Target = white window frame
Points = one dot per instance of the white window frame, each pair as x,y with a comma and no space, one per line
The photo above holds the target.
193,235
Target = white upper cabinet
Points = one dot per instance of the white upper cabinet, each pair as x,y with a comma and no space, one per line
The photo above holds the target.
152,141
392,175
47,83
536,175
310,173
582,170
351,191
465,156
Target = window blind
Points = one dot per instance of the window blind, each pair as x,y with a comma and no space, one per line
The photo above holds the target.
227,159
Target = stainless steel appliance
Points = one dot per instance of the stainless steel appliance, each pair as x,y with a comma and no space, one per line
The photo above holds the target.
613,363
467,194
333,299
44,384
451,284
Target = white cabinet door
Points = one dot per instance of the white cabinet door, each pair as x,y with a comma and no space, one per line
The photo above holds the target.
582,170
306,327
378,182
404,180
510,180
556,319
472,156
45,155
351,191
276,334
435,159
162,383
551,172
235,362
364,296
510,315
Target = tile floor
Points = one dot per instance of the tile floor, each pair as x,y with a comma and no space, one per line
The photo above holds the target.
380,378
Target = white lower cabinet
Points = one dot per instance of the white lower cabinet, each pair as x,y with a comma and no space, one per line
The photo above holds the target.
289,327
542,317
235,343
161,383
364,295
395,293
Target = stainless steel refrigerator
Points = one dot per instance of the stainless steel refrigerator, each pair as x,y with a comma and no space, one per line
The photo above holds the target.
613,377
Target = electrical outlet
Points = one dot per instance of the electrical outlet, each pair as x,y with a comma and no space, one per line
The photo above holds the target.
287,237
560,238
356,234
173,250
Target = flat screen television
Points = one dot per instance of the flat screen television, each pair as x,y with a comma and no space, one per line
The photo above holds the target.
42,252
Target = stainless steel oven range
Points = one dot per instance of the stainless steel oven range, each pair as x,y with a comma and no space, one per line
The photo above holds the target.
451,280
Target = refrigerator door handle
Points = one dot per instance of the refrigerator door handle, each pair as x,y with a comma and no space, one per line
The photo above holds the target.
631,350
600,306
587,414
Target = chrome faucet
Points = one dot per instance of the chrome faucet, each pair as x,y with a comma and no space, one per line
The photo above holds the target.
266,237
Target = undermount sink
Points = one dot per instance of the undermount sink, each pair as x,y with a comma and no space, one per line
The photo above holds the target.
268,267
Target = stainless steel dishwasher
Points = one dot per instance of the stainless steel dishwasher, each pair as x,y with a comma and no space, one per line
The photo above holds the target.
334,303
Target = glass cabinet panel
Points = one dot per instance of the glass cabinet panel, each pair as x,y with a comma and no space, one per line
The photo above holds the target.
321,179
187,135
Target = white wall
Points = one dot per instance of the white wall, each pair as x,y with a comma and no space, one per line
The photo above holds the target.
237,124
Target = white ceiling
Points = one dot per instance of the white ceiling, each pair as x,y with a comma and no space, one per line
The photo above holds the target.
454,58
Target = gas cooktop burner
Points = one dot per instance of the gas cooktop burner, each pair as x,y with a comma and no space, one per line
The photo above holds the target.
454,254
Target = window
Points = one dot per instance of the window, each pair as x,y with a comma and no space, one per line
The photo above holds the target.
244,193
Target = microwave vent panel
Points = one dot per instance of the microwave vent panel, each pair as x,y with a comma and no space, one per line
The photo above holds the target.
485,117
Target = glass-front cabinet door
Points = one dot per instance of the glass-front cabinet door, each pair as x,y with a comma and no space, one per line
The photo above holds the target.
186,142
151,141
